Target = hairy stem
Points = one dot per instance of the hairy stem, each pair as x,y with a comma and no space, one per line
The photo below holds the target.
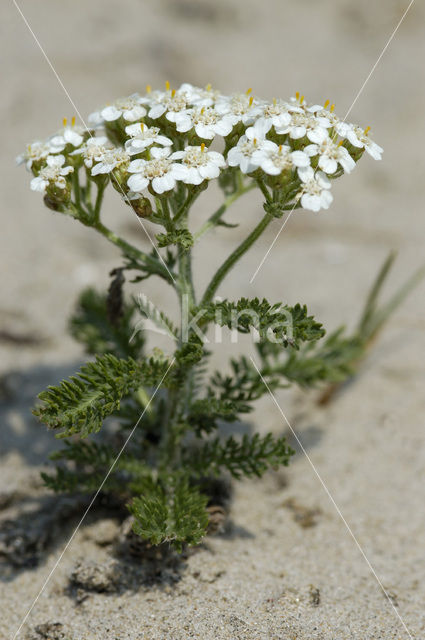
76,188
178,398
99,200
186,205
131,251
234,257
214,219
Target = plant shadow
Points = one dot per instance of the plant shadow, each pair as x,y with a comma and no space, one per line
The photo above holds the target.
21,433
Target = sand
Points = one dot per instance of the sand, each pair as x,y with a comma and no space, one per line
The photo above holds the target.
270,576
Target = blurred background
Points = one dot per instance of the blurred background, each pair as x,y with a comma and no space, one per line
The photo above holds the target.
102,50
323,48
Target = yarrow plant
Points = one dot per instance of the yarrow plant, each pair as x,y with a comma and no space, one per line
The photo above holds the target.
156,151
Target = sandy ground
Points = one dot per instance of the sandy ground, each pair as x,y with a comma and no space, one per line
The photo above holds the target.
288,568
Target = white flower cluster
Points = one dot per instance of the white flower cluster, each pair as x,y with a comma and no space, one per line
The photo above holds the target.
161,138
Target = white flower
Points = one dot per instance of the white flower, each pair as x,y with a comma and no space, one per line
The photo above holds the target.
242,154
143,137
72,135
320,111
33,153
297,103
198,164
274,159
301,125
95,120
161,172
109,159
243,107
276,114
131,109
360,138
206,121
92,150
52,174
330,156
258,130
314,194
168,102
200,97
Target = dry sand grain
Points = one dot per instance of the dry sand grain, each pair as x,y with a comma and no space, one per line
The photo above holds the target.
269,577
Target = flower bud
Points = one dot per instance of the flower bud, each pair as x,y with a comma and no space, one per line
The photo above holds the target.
142,207
57,199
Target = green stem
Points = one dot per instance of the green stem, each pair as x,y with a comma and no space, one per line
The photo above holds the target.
166,213
371,301
185,274
264,190
87,193
99,200
186,204
214,219
177,398
132,252
167,446
76,186
234,257
126,247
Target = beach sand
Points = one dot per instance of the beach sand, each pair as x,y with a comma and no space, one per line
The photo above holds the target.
308,550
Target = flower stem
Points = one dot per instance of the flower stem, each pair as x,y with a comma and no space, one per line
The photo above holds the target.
177,399
131,251
213,220
234,257
264,190
127,248
186,204
98,203
76,187
166,213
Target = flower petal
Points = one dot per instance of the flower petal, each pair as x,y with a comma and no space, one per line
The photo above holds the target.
136,166
110,113
137,182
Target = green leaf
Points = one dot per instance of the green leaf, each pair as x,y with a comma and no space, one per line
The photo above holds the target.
80,404
90,326
242,385
170,511
155,315
330,361
182,237
228,225
251,456
156,266
288,326
191,352
204,413
87,464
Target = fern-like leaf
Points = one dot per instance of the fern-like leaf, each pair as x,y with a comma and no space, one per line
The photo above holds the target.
182,237
170,511
90,326
80,404
251,456
155,316
83,466
288,326
204,413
